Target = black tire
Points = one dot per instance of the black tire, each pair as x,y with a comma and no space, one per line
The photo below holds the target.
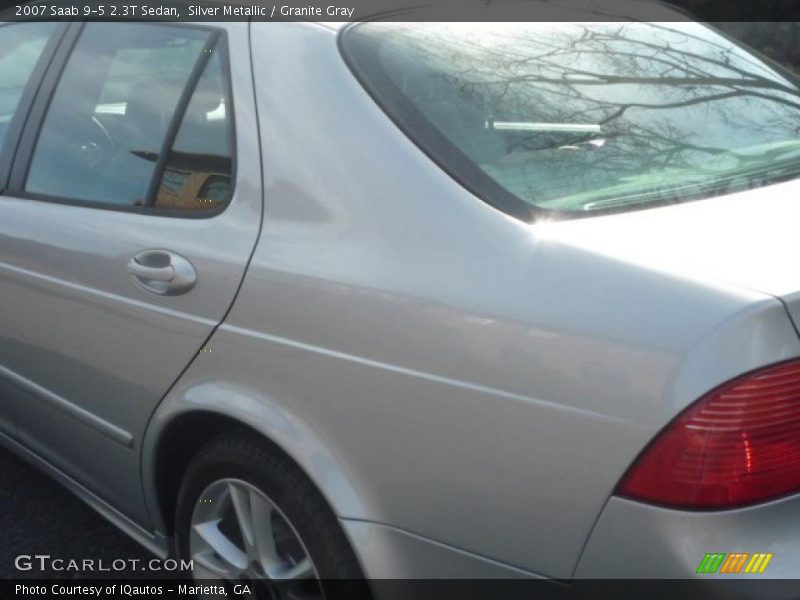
248,457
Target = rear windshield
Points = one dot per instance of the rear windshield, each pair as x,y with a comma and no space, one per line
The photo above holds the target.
581,118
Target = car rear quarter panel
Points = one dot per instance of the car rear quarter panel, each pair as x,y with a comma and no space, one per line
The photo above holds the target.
431,363
633,540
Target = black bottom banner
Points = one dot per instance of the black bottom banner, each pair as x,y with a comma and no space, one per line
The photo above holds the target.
414,589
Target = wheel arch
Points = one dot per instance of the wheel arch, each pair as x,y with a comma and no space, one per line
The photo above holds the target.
189,418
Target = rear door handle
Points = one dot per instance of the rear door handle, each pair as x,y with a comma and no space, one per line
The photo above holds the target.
142,272
162,272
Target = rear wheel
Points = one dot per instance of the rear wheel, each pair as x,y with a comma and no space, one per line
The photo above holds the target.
247,515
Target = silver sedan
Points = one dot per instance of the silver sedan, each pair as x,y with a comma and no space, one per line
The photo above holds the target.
301,301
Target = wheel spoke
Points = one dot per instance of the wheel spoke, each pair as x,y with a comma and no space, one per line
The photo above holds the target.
221,545
238,533
240,498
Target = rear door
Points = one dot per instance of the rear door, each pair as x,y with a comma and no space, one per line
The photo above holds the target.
132,208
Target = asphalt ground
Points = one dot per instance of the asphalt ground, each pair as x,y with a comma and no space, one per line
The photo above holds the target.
39,516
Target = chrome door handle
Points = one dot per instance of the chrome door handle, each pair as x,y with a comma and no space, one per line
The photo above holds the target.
162,272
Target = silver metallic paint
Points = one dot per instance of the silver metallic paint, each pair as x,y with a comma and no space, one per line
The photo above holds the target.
438,362
428,361
633,540
391,553
75,322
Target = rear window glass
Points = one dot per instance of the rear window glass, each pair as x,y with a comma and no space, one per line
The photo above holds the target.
582,118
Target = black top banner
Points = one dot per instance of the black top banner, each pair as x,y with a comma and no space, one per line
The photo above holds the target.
406,10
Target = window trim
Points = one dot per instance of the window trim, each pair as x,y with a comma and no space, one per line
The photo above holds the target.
218,39
424,134
17,124
177,119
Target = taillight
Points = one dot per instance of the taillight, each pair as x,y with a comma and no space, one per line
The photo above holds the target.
737,445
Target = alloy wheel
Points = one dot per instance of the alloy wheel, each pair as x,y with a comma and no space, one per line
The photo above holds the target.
239,536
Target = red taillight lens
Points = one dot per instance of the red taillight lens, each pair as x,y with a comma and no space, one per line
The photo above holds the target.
737,445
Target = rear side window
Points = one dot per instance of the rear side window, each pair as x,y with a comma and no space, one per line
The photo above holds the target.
197,173
140,118
581,118
21,46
